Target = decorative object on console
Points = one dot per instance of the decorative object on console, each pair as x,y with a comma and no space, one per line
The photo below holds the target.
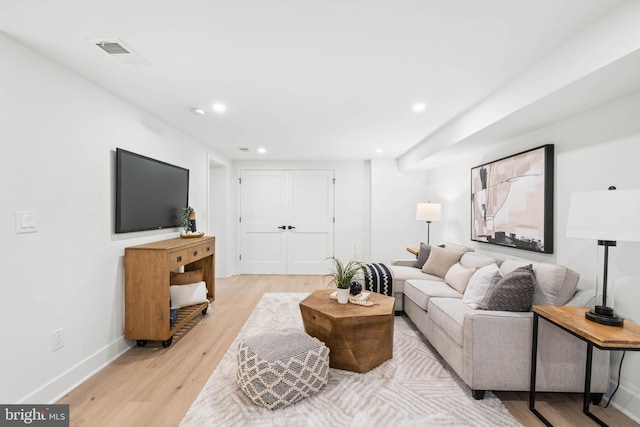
606,216
188,220
428,212
512,201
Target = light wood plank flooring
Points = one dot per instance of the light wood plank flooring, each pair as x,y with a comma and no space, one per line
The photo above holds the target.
154,386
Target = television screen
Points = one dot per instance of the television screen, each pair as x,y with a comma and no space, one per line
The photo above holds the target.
150,194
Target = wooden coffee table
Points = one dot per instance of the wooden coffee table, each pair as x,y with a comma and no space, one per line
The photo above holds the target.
360,338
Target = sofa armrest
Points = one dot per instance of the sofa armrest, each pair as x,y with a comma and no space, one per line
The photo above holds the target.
497,354
496,343
404,262
583,298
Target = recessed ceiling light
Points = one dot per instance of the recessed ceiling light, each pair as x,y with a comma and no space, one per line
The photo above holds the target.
262,150
418,107
378,150
198,111
219,108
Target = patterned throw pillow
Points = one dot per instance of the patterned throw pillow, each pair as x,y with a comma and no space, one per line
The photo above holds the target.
513,292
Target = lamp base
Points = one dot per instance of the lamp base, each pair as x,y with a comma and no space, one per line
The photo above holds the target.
604,315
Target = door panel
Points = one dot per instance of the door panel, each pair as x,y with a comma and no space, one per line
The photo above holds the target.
302,201
311,212
262,205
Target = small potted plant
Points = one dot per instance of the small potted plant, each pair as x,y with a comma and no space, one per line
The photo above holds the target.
187,216
343,275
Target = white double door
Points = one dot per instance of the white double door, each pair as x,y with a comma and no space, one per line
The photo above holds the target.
286,221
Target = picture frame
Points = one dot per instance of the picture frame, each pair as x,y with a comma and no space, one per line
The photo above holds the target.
512,201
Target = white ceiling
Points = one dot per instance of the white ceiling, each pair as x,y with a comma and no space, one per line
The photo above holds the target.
306,79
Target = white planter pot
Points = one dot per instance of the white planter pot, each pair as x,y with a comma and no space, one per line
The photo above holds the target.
343,296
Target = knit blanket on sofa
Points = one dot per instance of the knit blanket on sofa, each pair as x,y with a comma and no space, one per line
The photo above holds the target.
378,278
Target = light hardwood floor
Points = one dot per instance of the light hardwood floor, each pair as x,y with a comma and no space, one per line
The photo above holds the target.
154,386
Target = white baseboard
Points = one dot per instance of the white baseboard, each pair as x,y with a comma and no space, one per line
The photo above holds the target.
76,375
626,402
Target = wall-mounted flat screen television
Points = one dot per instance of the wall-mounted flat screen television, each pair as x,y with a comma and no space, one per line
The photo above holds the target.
150,194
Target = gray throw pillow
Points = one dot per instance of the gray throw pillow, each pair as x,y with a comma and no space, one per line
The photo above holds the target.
514,292
423,254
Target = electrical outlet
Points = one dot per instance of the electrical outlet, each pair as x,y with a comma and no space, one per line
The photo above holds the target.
57,339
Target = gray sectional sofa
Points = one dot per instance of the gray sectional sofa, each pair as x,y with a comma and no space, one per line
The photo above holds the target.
491,349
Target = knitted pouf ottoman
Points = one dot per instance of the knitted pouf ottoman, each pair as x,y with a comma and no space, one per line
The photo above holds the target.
279,368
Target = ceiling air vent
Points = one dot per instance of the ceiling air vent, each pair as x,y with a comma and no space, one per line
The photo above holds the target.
120,52
112,48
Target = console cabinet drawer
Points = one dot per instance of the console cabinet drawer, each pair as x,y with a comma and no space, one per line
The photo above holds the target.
189,255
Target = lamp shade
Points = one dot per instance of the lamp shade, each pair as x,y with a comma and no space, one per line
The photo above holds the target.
605,215
429,212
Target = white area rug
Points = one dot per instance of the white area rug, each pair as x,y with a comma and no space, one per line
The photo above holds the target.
412,389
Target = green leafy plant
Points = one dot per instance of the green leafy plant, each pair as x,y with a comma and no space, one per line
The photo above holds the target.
343,274
186,222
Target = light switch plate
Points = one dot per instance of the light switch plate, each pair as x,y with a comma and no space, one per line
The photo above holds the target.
26,221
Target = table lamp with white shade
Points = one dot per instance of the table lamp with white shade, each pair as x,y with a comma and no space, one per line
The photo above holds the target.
607,216
428,212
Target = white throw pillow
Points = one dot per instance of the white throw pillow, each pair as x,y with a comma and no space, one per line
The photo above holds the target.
479,285
185,295
458,277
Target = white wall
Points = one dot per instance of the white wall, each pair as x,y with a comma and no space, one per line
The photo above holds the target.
220,203
593,151
58,136
394,198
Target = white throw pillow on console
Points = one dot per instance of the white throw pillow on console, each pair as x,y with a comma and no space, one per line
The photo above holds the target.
479,285
185,295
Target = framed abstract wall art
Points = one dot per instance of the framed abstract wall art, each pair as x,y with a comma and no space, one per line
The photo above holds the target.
512,201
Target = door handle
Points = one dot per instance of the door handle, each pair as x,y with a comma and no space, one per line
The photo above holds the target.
282,227
291,227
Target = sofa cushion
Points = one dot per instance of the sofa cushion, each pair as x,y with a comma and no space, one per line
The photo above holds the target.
448,314
420,291
479,285
476,260
401,272
455,247
556,284
513,292
440,261
457,277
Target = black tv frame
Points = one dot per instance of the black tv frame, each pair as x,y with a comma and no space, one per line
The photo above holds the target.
123,207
